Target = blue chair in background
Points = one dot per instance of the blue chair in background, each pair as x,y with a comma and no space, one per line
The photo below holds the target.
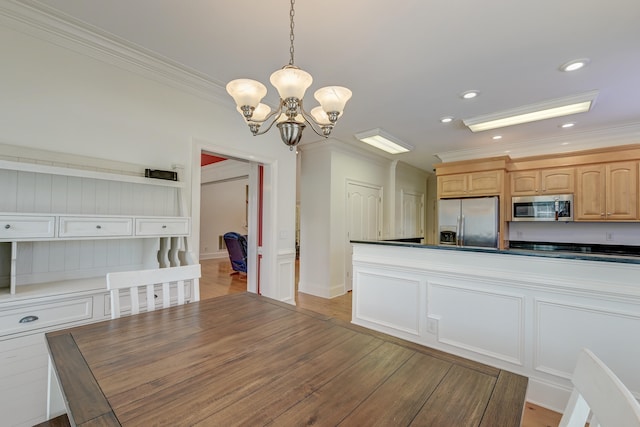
237,247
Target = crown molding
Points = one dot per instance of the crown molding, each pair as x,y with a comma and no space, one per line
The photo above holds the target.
609,137
337,146
38,20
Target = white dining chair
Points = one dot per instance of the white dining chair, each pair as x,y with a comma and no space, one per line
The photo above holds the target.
146,281
599,392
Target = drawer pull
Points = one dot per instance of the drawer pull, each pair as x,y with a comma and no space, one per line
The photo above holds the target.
98,227
28,319
8,226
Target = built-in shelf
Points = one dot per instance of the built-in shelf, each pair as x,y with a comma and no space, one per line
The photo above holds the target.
82,173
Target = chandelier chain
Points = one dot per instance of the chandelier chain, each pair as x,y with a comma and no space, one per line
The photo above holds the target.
291,36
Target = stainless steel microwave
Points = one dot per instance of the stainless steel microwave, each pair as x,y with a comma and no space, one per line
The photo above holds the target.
542,208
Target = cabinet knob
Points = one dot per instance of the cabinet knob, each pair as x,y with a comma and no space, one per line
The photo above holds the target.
8,226
164,226
28,319
98,226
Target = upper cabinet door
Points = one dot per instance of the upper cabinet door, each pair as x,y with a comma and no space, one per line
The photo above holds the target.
542,181
487,183
452,185
607,192
590,201
622,191
525,183
557,181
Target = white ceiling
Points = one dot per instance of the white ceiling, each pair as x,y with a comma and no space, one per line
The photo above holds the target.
407,61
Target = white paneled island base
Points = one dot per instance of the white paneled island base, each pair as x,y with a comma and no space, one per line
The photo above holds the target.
518,311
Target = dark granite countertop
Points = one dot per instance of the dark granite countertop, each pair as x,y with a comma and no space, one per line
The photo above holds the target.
630,259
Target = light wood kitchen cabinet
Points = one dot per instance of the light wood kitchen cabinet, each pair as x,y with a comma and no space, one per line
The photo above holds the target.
471,184
542,181
607,192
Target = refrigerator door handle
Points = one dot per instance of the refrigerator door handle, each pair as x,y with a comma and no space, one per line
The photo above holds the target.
461,229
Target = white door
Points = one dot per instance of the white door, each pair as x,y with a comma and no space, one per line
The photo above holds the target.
412,205
364,219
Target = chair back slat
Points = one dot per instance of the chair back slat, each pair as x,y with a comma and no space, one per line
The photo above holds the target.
166,295
600,392
151,297
145,281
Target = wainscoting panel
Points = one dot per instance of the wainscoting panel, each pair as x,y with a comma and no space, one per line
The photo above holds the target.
482,321
389,301
563,329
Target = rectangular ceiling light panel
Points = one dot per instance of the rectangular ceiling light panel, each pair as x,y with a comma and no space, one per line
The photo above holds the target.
534,112
383,141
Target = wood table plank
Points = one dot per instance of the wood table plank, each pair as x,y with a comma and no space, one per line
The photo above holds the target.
82,393
397,401
275,397
505,406
330,404
460,400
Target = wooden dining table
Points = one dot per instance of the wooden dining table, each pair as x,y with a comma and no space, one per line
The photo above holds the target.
247,360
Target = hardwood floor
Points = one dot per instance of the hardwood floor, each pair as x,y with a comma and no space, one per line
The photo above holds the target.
217,280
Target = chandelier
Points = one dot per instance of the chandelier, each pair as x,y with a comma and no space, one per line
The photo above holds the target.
290,117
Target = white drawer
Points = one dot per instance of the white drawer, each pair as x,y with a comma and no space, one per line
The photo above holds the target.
31,317
26,227
162,226
95,227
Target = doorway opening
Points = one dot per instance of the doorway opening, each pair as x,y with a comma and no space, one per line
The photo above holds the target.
227,196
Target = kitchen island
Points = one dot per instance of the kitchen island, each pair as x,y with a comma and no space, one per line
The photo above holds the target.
526,311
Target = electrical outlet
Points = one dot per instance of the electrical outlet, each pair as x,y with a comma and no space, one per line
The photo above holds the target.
609,236
519,234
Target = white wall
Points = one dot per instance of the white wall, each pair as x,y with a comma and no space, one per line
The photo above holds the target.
326,168
57,98
413,181
222,209
223,204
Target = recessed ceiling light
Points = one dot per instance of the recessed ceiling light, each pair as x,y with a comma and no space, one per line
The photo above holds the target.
496,137
574,65
470,94
565,143
446,119
567,125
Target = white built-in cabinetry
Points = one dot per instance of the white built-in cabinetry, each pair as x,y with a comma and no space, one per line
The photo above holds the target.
61,230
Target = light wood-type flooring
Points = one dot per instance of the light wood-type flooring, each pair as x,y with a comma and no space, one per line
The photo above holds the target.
217,280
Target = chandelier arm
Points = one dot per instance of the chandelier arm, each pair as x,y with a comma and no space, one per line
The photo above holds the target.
275,115
312,123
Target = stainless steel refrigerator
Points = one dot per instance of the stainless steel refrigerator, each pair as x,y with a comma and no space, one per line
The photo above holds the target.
469,222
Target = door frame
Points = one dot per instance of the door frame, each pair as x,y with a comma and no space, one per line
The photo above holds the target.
256,254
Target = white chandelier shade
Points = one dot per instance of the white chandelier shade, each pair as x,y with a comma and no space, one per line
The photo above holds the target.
246,92
291,82
332,98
